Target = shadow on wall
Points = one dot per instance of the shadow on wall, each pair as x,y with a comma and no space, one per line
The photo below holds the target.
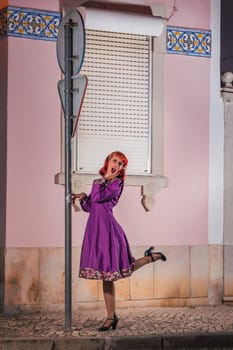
2,278
3,162
226,36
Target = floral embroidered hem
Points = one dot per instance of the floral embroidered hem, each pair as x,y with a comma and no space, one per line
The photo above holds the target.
95,274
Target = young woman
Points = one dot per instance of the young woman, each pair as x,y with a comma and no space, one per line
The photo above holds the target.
105,251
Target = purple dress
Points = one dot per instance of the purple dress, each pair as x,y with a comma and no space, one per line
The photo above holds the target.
105,251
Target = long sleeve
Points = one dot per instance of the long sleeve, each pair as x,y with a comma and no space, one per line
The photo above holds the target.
106,192
103,192
86,204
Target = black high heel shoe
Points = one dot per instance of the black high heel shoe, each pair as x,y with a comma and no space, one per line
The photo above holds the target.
113,324
150,252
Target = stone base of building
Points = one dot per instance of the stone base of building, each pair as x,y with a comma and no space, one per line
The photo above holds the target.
192,275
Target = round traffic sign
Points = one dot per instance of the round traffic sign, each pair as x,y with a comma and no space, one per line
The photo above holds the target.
73,18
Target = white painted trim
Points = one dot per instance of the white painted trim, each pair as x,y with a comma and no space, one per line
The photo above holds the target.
216,135
121,22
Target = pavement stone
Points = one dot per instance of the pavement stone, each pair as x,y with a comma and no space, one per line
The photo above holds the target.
199,327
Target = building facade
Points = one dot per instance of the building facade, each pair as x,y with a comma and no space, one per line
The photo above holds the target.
183,193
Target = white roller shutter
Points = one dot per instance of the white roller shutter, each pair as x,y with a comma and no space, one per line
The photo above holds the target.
116,113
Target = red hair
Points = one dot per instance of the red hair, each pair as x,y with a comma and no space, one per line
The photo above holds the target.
122,157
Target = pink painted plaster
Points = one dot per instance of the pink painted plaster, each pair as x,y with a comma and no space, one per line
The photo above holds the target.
34,202
45,5
35,205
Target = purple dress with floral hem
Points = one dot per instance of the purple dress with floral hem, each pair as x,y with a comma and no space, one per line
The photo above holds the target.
105,251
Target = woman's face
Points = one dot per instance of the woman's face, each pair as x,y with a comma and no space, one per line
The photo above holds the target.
115,165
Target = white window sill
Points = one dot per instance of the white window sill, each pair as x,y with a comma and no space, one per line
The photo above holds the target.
150,185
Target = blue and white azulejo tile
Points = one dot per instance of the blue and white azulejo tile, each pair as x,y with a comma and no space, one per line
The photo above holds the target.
189,42
29,23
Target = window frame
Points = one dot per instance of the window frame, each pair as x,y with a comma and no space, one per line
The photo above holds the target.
150,183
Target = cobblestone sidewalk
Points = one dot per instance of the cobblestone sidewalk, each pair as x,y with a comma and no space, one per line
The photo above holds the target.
132,321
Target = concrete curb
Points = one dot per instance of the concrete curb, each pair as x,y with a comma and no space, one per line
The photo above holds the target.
26,344
219,341
147,342
53,344
79,344
198,341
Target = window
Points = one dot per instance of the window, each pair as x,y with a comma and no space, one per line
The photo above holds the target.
122,110
116,112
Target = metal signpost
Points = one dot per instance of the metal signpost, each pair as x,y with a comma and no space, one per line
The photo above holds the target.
70,54
78,93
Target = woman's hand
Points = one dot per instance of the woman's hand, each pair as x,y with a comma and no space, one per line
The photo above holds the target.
79,196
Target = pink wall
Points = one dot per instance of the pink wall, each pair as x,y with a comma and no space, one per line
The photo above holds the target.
41,5
3,140
186,149
35,205
189,14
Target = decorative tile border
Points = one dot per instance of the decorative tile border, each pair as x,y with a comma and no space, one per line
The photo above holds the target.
37,24
29,23
189,42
